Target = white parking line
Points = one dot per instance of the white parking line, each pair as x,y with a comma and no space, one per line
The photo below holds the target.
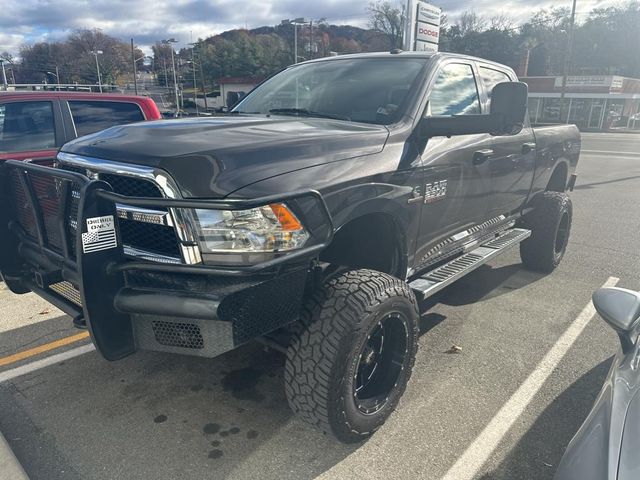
475,456
610,152
45,362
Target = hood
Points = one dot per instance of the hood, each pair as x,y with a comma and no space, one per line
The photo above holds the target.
629,467
605,446
212,157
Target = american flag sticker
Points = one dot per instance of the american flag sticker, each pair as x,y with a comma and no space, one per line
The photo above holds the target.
101,234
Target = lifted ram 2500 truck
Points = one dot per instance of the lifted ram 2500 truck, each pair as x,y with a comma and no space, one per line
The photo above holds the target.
314,218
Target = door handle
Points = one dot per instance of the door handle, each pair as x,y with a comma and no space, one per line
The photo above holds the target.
481,156
528,147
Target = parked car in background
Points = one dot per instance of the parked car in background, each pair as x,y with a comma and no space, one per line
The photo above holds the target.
33,125
606,446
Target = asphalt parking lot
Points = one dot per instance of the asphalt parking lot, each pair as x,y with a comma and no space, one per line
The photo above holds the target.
163,416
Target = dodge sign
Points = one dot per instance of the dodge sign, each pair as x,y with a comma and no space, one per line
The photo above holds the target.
422,29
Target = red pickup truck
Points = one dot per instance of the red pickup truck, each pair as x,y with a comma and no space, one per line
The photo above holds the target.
33,125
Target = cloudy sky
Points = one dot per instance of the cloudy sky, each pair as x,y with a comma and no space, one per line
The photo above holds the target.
28,21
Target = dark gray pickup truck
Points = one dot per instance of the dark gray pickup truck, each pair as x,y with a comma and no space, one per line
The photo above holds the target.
313,218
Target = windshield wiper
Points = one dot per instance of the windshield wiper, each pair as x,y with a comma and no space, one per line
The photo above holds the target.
307,113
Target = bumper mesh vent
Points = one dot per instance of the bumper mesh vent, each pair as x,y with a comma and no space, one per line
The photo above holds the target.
184,335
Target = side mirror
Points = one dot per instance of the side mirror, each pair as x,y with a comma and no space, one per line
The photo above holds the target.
509,103
620,308
507,116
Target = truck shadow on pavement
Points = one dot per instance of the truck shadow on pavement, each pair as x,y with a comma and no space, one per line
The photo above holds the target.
539,451
488,282
589,186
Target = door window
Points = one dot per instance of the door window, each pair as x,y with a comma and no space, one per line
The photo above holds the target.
26,126
491,78
454,92
91,116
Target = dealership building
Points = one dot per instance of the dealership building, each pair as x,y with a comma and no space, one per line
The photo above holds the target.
592,102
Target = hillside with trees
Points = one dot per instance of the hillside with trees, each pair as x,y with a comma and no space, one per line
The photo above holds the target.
606,41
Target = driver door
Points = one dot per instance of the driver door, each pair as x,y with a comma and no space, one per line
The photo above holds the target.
457,178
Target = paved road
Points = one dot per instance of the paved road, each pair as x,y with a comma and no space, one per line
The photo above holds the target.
167,417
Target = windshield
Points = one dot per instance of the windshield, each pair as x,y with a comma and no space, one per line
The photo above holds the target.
369,90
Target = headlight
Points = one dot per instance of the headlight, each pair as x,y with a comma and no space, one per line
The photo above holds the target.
272,228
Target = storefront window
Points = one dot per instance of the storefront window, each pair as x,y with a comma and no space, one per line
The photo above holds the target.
550,111
596,114
534,106
634,120
613,115
579,109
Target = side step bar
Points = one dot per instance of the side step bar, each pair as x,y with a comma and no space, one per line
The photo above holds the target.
435,280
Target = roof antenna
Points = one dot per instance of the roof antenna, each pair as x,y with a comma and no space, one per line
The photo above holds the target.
396,51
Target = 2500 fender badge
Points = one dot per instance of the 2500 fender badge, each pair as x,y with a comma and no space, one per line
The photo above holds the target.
433,192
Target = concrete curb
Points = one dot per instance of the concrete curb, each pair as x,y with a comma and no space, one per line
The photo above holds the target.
10,468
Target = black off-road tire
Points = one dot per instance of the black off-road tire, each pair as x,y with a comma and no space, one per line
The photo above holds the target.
326,354
550,224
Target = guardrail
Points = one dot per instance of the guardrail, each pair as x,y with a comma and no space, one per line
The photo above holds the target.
64,87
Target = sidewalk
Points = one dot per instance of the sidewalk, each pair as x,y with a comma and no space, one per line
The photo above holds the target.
10,468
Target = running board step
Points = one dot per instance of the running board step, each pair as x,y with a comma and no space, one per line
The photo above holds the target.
435,280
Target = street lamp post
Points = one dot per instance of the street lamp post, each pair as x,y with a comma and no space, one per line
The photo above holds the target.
133,61
295,22
295,43
195,87
57,78
4,76
96,53
169,42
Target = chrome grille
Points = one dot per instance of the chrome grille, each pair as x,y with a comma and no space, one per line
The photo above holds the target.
140,232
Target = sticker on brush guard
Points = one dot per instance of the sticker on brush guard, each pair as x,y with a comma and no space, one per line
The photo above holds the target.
100,235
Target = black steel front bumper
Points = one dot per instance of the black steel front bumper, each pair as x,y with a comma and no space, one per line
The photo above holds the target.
128,303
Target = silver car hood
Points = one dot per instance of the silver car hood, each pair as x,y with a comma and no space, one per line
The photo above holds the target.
629,465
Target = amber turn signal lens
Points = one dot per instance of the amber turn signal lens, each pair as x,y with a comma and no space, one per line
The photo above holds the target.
287,219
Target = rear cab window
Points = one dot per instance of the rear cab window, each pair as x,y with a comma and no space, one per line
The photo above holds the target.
491,77
90,116
27,126
454,92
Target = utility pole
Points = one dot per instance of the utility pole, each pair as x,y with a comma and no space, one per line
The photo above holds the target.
166,74
567,58
57,77
204,88
135,73
4,76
